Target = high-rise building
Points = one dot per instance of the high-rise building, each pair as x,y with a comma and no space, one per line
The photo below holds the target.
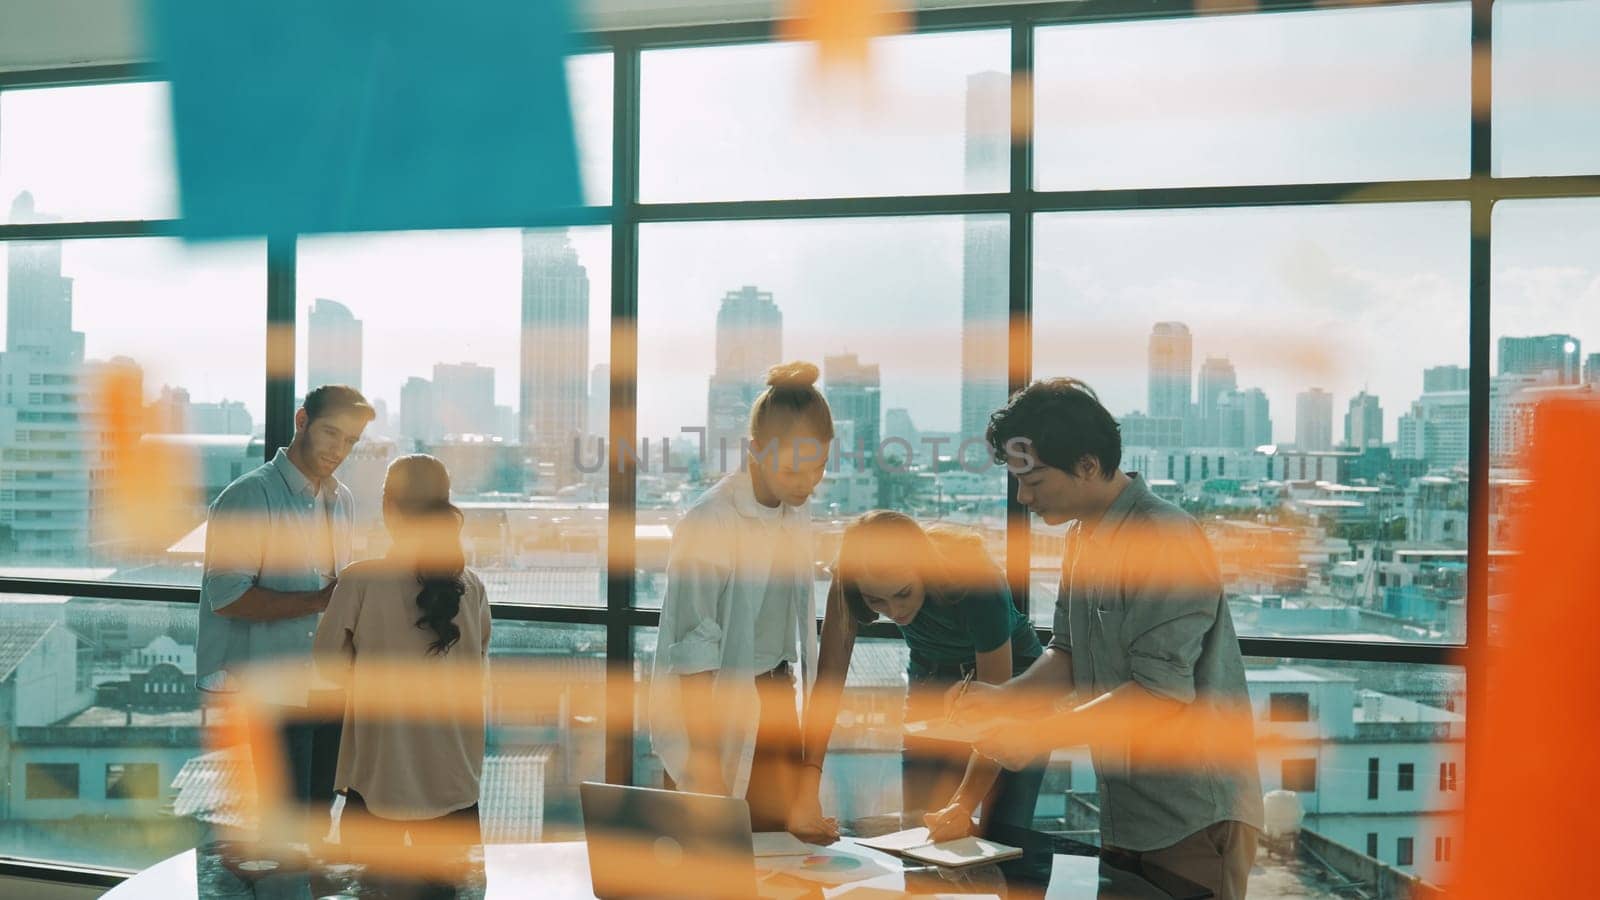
49,458
1313,420
899,426
333,345
985,255
749,342
419,420
38,296
225,417
464,399
1216,378
1554,356
600,399
1435,429
1446,378
853,390
1591,369
1363,423
555,352
1159,432
1171,360
1244,419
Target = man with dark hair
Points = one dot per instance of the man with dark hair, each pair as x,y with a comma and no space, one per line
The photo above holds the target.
1144,639
276,539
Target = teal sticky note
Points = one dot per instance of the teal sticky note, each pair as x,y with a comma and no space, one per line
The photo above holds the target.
303,116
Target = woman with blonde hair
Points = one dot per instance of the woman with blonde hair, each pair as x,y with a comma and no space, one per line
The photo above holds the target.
408,634
953,608
739,611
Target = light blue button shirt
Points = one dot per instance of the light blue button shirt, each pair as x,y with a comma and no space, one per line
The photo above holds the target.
262,531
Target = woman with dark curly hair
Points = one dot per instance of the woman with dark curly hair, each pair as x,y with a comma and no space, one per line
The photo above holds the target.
410,629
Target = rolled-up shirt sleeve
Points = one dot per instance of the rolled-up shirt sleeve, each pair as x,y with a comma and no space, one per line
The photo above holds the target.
1173,598
235,541
698,572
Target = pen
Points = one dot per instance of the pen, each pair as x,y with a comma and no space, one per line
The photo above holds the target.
965,680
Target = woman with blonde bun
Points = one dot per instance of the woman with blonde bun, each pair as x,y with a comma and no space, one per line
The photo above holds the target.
739,613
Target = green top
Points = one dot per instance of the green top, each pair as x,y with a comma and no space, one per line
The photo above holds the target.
980,621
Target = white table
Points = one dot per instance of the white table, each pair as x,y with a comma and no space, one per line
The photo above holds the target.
559,871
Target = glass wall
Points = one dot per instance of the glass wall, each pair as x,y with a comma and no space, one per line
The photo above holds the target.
1295,374
132,377
1325,96
489,350
1270,371
905,319
748,122
1374,753
1546,330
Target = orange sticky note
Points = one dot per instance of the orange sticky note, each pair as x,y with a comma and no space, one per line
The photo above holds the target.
842,29
1530,824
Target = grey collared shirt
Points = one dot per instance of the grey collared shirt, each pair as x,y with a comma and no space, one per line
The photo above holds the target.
1141,600
270,528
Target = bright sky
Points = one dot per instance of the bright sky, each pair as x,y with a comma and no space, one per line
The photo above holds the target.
1378,292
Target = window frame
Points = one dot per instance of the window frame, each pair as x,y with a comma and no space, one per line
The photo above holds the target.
1020,203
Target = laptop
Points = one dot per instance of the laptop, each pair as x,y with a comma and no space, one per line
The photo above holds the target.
646,842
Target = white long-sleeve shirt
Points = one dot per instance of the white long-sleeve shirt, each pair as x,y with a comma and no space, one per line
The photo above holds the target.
728,554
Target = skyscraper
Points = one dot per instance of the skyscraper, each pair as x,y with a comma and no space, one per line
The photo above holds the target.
600,399
853,391
419,421
463,395
1244,419
1216,378
555,352
1436,429
1313,420
1171,360
38,296
1556,356
749,342
46,390
1591,369
1446,378
333,345
1363,424
985,255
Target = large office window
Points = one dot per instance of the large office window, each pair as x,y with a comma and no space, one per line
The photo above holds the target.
1325,96
1545,283
88,152
103,724
132,376
1261,363
747,122
487,349
905,318
1294,375
546,729
1546,87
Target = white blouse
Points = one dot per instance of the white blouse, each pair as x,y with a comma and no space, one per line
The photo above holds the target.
728,552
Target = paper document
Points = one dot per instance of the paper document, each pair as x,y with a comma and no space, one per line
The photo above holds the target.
898,842
780,843
913,843
967,851
824,866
